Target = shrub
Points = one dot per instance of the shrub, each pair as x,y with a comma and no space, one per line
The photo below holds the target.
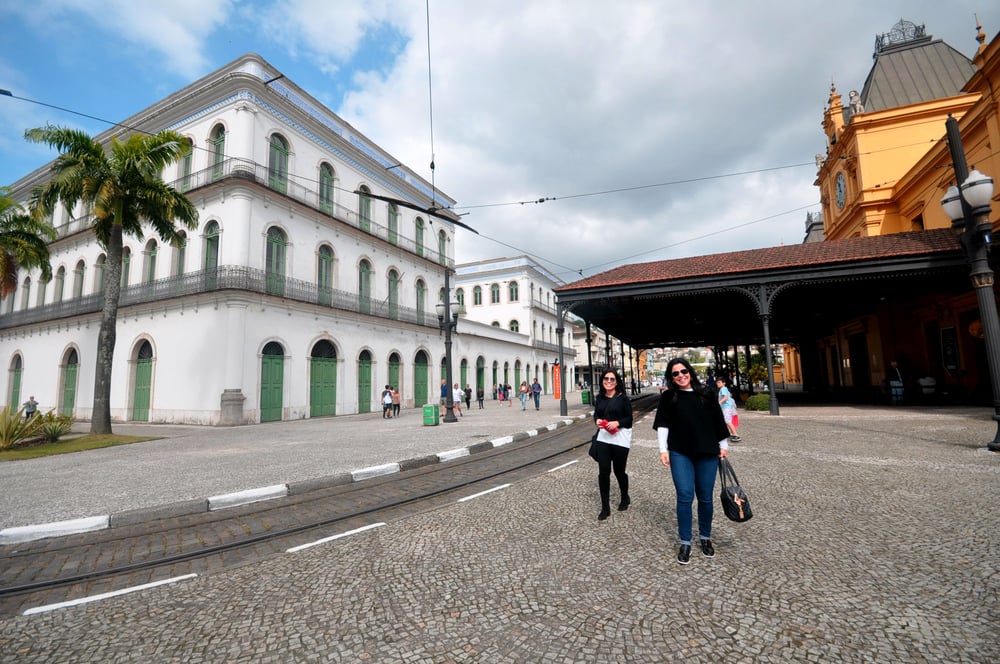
757,373
52,427
759,402
14,429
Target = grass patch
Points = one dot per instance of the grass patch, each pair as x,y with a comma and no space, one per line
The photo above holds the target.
64,446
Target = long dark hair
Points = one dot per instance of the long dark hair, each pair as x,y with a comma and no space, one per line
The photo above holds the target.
696,384
619,383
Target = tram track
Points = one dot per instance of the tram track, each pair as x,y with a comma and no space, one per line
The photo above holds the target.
254,532
63,568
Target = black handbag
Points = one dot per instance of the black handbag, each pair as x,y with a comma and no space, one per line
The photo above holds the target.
593,448
735,502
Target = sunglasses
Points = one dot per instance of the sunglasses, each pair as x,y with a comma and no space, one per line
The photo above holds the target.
675,374
610,378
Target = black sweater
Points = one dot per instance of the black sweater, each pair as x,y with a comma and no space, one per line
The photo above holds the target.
695,422
617,408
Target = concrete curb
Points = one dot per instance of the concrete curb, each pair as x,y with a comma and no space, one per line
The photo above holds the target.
20,534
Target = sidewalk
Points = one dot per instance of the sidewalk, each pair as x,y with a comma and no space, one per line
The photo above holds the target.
188,468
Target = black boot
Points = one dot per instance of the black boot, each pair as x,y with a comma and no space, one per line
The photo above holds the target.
623,488
604,484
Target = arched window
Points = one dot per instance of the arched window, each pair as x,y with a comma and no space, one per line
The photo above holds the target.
364,209
274,265
78,279
495,294
326,180
277,164
512,291
180,249
418,236
60,282
393,294
515,326
495,324
99,273
211,259
149,273
211,246
26,293
393,223
477,295
421,300
365,287
126,265
324,274
187,165
218,141
442,247
42,286
441,295
460,296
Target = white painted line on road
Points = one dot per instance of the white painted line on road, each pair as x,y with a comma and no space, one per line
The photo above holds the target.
453,454
296,549
246,497
568,463
498,442
374,471
97,598
55,529
483,493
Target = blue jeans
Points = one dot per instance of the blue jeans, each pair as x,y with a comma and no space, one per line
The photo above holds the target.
694,476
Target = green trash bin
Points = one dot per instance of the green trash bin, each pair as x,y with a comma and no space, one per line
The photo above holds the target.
585,395
431,414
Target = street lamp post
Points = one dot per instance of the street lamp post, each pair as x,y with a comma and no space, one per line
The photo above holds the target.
448,313
968,206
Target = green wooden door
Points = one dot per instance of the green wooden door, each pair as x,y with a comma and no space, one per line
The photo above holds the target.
15,385
323,387
69,385
365,383
272,376
463,379
420,378
394,370
143,383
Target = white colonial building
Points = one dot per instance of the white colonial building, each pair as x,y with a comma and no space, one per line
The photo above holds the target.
303,290
514,295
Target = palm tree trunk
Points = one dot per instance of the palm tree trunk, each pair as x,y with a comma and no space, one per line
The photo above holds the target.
101,418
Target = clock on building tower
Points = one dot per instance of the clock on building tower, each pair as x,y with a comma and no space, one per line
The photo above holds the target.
841,190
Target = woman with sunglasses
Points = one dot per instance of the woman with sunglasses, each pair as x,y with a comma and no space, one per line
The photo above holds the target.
613,416
693,437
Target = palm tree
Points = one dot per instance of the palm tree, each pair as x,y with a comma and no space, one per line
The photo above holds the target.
123,188
22,243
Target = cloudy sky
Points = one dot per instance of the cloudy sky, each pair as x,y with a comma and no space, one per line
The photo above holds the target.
653,129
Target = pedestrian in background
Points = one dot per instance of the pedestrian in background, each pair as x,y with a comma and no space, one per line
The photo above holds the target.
728,409
30,408
523,393
536,393
396,401
693,437
480,396
468,397
613,417
387,403
458,396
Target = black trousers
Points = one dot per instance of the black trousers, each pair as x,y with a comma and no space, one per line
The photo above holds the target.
611,457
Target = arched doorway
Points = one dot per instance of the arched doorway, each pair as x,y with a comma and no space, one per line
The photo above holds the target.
69,370
365,382
323,379
15,383
421,377
395,370
272,379
481,373
142,388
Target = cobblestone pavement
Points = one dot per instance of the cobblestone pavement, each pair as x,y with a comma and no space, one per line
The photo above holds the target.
874,540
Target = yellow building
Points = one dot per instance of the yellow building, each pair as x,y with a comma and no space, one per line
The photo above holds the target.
886,170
